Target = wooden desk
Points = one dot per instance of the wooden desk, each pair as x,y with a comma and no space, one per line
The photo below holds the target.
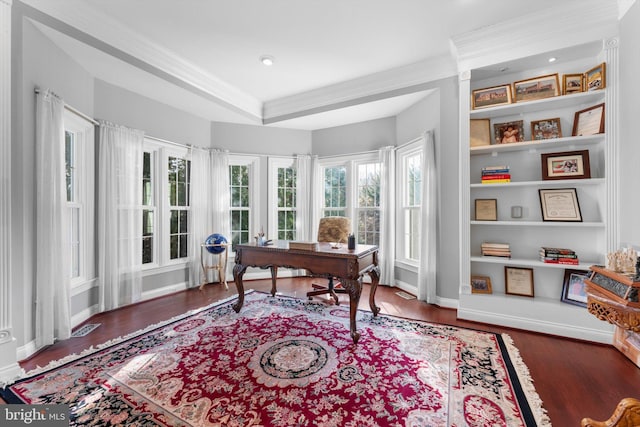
347,265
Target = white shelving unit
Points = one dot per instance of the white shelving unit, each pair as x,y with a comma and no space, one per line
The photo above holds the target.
591,239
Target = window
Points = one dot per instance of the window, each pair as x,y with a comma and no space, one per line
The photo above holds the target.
79,184
178,173
243,171
368,203
335,191
410,190
283,184
148,208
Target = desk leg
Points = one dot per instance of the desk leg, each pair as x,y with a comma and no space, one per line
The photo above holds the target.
375,278
274,275
238,271
354,288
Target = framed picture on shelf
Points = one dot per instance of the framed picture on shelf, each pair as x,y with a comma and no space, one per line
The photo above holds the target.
491,96
536,88
572,83
479,132
589,121
560,204
481,285
518,281
595,78
509,132
566,165
573,287
546,129
486,209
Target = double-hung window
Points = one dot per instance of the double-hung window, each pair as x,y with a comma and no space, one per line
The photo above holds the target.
409,189
368,202
178,175
283,200
243,189
335,191
149,212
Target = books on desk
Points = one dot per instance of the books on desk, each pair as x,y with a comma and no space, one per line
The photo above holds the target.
304,246
496,249
558,256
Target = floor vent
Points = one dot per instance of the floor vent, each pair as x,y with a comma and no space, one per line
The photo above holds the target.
85,330
405,295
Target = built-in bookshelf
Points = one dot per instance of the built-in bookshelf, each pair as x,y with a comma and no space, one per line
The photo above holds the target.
591,237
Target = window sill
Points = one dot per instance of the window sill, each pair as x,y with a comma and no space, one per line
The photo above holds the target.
407,265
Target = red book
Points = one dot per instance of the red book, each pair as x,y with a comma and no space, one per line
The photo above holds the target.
497,176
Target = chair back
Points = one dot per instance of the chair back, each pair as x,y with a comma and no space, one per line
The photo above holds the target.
334,229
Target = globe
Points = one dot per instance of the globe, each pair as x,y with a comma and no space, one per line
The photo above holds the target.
215,239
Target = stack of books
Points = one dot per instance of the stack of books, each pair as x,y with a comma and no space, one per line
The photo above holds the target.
496,249
496,175
558,256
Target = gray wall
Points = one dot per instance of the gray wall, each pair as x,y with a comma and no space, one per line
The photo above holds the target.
355,138
629,113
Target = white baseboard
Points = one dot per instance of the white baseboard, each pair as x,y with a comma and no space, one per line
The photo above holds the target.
441,302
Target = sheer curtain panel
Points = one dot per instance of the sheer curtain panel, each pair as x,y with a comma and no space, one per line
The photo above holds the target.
120,215
303,197
219,178
428,221
200,215
387,253
53,271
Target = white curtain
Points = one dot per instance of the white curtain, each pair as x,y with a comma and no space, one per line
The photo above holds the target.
387,253
200,226
428,218
53,271
220,198
119,215
317,198
303,197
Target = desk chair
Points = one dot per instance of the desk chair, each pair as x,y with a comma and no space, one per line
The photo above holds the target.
331,229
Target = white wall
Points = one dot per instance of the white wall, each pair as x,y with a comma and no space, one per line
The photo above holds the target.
629,113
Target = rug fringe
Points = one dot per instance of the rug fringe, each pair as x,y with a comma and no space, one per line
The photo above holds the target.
93,349
524,376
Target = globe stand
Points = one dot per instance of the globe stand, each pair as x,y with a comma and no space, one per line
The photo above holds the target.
220,266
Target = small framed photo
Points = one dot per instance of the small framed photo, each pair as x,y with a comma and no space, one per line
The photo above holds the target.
572,83
589,121
506,133
566,165
486,209
518,281
479,132
536,88
546,129
481,285
574,290
595,78
560,204
491,97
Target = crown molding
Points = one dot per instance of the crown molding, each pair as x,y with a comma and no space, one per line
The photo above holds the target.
624,6
536,33
386,84
103,33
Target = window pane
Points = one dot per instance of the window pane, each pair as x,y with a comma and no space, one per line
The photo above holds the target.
75,242
70,165
147,236
239,214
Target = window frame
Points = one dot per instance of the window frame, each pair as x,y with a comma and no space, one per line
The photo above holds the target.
274,164
165,206
253,165
402,155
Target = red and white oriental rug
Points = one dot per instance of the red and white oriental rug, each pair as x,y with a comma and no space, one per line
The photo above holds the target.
288,362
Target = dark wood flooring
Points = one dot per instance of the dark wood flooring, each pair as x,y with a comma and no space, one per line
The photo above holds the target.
574,379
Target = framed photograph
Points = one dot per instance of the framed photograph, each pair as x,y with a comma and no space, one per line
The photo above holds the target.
566,165
589,121
491,97
546,129
537,88
481,285
572,83
506,133
479,132
573,287
560,204
486,210
518,281
595,78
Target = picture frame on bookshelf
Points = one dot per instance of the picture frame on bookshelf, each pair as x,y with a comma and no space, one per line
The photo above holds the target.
572,83
518,281
486,209
479,132
595,78
536,88
589,121
506,133
560,205
574,289
546,129
491,96
566,165
481,285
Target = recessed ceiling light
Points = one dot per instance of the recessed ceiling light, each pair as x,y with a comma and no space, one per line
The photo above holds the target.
552,59
267,60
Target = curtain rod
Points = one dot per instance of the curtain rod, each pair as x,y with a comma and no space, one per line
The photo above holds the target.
74,111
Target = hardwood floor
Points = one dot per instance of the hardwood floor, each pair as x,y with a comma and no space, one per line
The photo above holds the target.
574,379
